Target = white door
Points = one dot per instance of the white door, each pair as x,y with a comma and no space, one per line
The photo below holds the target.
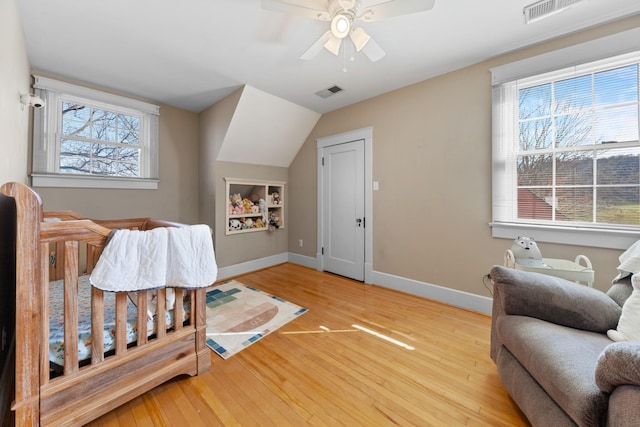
343,209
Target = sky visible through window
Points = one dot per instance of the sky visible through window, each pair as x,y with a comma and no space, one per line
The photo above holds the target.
98,141
578,152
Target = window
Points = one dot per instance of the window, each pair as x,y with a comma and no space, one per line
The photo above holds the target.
88,138
566,153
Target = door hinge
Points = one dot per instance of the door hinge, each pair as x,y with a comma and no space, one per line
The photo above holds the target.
322,251
323,161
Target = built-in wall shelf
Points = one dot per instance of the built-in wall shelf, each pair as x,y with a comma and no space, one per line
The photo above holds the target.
254,205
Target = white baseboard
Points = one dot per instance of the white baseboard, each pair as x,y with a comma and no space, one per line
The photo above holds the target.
303,260
253,265
449,296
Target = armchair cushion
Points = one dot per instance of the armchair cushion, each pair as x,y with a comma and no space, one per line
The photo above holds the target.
555,300
618,364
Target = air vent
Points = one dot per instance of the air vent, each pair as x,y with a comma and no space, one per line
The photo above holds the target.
542,9
325,93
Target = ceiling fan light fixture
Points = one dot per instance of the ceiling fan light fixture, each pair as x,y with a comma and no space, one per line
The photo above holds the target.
333,45
360,38
340,26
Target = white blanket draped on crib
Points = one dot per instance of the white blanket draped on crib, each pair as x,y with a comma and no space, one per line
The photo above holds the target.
133,260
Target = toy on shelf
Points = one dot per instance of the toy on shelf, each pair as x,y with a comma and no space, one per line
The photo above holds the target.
521,258
275,198
235,225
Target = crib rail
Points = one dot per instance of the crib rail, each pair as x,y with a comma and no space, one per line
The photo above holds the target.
68,233
84,389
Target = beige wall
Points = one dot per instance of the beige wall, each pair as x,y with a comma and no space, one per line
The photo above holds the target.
235,249
432,158
15,80
212,128
176,198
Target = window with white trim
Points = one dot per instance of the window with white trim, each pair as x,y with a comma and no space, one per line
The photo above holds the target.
88,138
566,150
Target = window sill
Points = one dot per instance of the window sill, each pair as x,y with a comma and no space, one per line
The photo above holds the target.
76,181
598,238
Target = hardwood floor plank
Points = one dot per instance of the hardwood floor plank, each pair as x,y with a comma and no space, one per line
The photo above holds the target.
361,356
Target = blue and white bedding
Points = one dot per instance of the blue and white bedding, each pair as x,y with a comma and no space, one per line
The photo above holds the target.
56,320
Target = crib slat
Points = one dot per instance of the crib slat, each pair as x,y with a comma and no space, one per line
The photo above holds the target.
97,325
93,253
44,313
142,317
177,309
70,307
161,308
121,322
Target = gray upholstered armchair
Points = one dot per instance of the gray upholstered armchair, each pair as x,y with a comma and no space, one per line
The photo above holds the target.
549,342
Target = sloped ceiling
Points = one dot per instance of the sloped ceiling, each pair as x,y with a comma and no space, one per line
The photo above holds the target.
266,130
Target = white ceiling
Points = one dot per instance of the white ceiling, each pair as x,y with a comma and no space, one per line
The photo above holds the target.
192,53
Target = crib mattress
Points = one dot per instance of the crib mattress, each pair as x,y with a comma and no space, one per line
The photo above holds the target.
56,320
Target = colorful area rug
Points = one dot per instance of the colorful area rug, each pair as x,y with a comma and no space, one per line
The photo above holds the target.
239,315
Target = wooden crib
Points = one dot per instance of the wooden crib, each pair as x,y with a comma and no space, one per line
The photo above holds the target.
85,390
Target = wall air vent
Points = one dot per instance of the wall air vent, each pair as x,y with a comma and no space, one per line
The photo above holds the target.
542,9
325,93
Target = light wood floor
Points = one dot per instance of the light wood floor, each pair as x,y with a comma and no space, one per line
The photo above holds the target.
322,370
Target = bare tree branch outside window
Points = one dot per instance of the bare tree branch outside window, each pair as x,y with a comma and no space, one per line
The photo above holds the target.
96,141
576,153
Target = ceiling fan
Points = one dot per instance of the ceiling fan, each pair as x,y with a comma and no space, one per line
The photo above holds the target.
343,14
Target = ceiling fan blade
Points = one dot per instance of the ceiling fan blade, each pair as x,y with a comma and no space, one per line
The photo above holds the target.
306,9
392,8
347,4
316,47
360,38
373,51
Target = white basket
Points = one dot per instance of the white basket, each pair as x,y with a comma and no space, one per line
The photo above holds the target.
574,271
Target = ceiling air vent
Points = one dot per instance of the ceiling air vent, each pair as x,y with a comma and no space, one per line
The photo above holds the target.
542,9
325,93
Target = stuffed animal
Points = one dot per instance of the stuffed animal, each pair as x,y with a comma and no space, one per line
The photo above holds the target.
246,203
247,223
629,323
235,225
274,219
236,199
258,223
255,209
263,208
275,198
526,248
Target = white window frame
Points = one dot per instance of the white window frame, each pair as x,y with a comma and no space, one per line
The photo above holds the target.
503,223
47,124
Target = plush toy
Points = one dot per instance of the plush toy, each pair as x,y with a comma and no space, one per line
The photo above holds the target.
236,199
255,209
258,223
275,198
274,219
235,225
629,323
526,248
246,203
247,223
263,208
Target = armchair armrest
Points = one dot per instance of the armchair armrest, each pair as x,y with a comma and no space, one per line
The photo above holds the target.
553,299
618,365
